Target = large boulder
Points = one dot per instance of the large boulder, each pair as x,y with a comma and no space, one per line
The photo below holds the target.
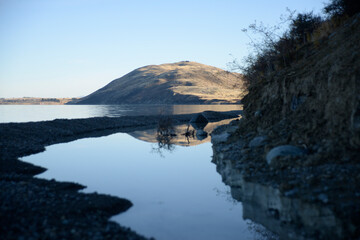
199,118
198,121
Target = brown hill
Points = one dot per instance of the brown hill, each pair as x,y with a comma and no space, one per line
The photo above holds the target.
176,83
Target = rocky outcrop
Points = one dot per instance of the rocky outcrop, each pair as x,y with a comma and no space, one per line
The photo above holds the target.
295,153
287,203
315,102
177,83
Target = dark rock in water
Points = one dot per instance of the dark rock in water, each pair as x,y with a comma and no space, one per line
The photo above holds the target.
198,121
283,150
199,118
201,135
198,126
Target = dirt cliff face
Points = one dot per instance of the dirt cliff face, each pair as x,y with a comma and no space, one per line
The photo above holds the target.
177,83
316,102
298,143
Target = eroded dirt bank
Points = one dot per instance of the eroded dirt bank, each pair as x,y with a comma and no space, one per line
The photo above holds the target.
32,208
299,141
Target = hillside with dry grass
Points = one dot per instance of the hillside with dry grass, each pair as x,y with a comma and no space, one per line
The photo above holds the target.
176,83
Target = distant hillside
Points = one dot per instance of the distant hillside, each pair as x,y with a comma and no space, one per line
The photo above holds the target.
176,83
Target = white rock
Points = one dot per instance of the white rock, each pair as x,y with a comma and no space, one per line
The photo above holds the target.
219,138
284,150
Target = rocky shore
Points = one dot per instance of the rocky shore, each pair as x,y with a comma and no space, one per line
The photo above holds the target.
295,152
295,202
32,208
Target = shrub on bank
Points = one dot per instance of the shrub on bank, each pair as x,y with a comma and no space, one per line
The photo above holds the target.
305,33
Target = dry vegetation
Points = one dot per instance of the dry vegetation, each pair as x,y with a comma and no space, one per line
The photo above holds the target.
307,32
177,83
313,100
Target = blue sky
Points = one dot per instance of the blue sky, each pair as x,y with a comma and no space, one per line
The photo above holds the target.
70,48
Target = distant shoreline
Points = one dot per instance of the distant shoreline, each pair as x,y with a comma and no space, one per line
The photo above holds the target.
66,101
35,101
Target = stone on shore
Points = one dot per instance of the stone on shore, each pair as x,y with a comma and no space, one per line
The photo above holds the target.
219,138
283,150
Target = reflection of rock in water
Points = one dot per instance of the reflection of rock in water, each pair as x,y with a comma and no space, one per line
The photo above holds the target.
290,218
150,135
201,134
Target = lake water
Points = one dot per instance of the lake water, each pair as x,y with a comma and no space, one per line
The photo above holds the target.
177,193
26,113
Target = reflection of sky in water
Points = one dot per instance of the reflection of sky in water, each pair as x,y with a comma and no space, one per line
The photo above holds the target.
178,196
25,113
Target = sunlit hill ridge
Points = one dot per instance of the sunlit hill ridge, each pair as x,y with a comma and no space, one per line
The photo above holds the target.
177,83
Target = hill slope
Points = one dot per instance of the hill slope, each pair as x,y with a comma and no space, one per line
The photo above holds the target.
176,83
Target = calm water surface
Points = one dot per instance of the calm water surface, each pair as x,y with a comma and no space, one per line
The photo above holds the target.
176,195
26,113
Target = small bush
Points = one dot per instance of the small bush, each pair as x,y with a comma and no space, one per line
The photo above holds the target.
303,26
275,51
338,8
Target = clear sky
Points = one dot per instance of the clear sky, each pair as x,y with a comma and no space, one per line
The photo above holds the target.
70,48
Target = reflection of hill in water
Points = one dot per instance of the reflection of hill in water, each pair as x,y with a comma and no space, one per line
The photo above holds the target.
155,109
149,135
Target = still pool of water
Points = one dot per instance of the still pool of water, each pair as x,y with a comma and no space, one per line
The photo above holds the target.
176,195
26,113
